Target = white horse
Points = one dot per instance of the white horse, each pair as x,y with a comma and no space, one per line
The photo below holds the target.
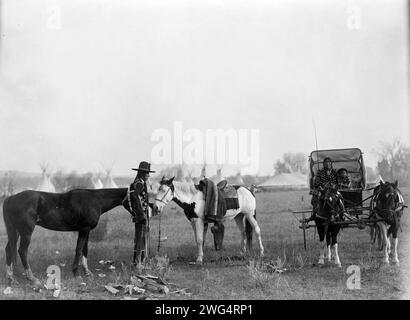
388,204
191,200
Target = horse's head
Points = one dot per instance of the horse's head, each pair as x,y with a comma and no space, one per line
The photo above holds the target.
165,194
387,198
218,230
331,206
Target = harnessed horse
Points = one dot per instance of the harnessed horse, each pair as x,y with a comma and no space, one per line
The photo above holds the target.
191,200
331,210
387,204
75,210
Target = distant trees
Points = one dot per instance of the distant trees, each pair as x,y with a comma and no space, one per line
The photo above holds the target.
371,174
292,162
394,162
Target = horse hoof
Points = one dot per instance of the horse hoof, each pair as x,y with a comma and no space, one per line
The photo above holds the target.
11,281
89,274
321,262
37,286
37,283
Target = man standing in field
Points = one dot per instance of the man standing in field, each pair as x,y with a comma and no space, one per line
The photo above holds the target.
139,194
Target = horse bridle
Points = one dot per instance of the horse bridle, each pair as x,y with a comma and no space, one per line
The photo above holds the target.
332,208
392,212
163,197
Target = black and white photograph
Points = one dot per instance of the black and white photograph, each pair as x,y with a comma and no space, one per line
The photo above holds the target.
218,151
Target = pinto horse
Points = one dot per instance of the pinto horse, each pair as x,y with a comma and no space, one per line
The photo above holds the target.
331,210
191,200
76,210
387,204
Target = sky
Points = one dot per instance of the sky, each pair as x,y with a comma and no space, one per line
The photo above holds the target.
85,83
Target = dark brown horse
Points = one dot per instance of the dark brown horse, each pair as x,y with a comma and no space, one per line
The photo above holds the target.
76,210
388,204
331,210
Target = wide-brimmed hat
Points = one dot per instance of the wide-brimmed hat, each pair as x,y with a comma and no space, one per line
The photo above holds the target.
144,166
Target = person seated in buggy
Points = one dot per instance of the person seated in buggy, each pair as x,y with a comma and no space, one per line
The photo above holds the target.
324,179
343,179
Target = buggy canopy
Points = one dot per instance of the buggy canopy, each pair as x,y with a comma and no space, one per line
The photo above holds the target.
349,159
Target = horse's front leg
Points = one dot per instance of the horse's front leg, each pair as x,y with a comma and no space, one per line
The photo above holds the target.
84,258
198,226
328,251
322,252
386,241
334,234
321,233
395,254
205,231
82,237
336,253
395,230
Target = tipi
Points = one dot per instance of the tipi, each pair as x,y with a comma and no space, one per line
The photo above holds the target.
218,177
45,183
96,181
202,175
188,177
237,180
108,180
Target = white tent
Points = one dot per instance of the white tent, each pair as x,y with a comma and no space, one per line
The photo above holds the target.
108,181
295,180
236,179
203,172
96,181
218,177
188,177
45,183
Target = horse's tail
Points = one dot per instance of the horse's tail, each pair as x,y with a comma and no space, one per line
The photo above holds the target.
10,228
249,231
12,235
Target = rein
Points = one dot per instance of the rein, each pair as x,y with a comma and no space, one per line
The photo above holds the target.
163,197
390,215
159,220
332,208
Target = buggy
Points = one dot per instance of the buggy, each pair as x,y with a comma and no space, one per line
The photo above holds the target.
356,214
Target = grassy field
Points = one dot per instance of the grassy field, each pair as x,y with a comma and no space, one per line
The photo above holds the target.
224,275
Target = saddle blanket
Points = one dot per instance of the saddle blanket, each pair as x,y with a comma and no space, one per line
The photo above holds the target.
230,194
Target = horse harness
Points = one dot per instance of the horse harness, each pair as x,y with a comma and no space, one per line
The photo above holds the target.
334,211
390,216
166,193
